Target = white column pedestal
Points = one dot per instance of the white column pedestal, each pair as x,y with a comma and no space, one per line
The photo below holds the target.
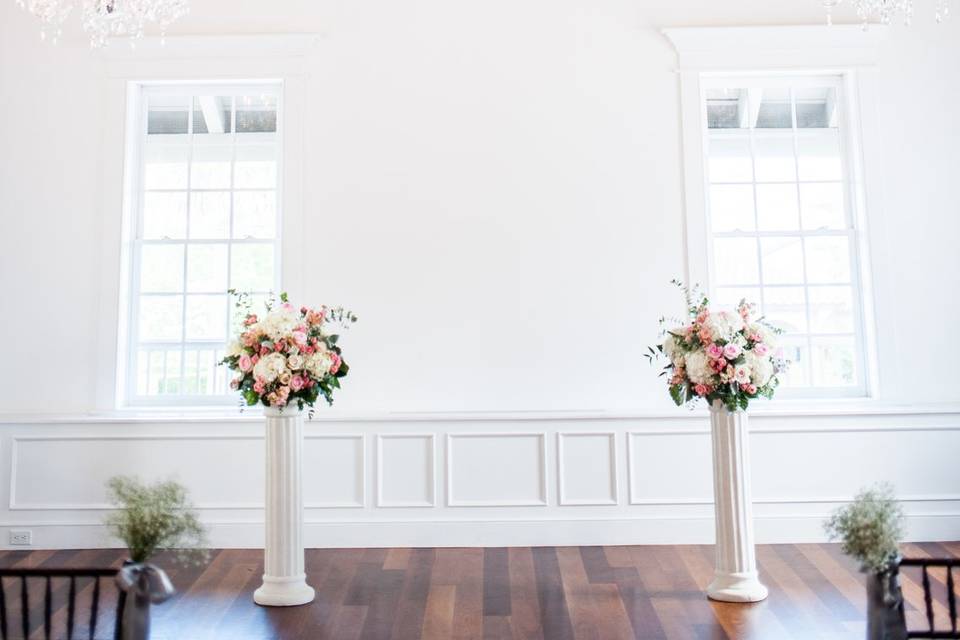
284,579
735,578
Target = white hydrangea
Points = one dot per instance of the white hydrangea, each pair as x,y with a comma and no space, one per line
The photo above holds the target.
279,323
318,363
767,336
698,368
270,367
761,368
235,348
724,325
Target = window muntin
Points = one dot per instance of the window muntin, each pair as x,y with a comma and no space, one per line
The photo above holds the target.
781,224
206,215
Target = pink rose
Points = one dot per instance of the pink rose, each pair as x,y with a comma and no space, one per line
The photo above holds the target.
255,359
259,386
264,351
749,388
235,383
245,363
300,337
279,345
705,335
714,351
251,319
296,383
701,389
336,362
760,349
731,351
286,306
718,365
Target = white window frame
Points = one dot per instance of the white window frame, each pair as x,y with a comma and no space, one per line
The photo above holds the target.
710,56
199,60
144,91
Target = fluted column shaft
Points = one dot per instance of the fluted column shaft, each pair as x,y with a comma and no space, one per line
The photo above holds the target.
735,578
284,580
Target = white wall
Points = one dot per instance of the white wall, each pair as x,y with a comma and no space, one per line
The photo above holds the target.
495,188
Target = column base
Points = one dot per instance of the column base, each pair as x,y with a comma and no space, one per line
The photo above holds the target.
736,587
283,592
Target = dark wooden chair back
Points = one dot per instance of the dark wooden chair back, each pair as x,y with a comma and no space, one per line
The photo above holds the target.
17,585
947,629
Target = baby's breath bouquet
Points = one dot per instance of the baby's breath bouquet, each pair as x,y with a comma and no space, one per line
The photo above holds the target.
154,517
869,528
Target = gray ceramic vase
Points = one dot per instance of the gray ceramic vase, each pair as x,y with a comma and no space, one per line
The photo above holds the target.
144,584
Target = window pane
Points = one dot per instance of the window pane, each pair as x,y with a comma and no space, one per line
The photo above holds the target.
161,268
730,160
797,353
819,155
833,362
210,168
190,372
736,260
165,165
211,114
256,167
726,108
210,214
816,108
785,307
164,215
167,115
255,214
161,318
777,208
822,206
774,158
831,309
251,267
170,383
207,268
157,365
731,207
206,317
256,113
773,110
828,259
782,260
730,297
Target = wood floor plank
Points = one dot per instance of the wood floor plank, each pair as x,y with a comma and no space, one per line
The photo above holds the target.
496,581
524,603
438,616
554,616
413,597
468,606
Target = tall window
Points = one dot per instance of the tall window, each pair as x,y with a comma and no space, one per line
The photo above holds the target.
206,219
781,219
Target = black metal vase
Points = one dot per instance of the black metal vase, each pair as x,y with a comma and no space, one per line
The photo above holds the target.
885,619
143,584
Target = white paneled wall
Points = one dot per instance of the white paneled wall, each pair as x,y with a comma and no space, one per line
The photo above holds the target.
487,480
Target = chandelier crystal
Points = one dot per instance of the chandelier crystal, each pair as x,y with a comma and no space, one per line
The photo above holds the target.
104,19
884,11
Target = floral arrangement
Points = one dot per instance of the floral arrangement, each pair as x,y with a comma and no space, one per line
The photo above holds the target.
869,528
724,355
289,355
154,517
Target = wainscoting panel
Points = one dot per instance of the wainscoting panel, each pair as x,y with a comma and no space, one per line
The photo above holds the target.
496,470
405,470
587,469
333,471
683,456
487,480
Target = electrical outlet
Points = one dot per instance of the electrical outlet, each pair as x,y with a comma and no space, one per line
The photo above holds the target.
21,536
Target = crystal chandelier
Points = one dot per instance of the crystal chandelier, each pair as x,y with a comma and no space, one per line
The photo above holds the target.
103,19
885,10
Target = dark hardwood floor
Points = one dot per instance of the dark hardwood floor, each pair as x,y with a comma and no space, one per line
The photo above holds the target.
552,593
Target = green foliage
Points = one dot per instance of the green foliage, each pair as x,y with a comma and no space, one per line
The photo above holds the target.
869,528
154,517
